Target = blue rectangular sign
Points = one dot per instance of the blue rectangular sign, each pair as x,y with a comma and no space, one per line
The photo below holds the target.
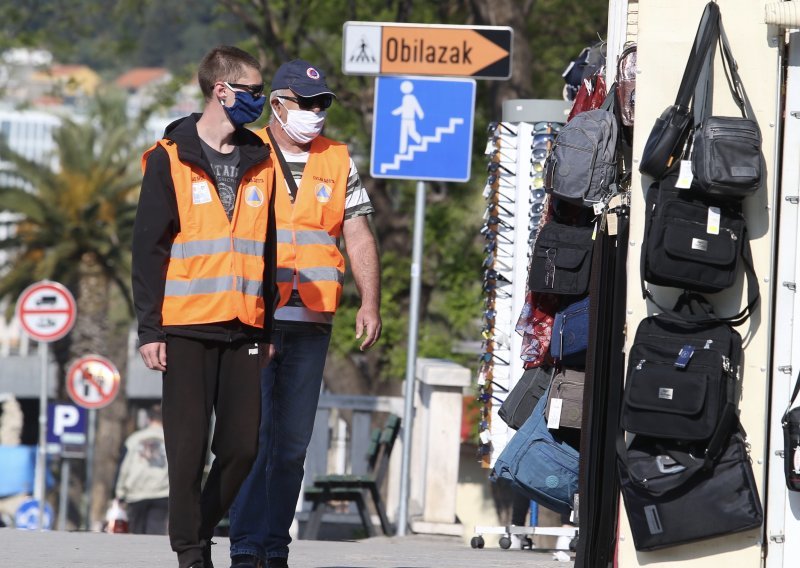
422,128
64,418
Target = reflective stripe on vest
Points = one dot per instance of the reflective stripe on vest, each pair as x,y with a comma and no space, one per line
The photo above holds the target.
216,266
308,230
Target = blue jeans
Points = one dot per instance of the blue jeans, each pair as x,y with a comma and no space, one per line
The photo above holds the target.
264,509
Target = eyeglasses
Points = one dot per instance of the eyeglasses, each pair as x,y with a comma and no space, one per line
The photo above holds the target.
497,180
255,90
537,182
537,194
309,103
537,166
539,152
491,234
493,126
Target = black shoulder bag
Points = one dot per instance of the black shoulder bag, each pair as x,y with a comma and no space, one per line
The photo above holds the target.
791,442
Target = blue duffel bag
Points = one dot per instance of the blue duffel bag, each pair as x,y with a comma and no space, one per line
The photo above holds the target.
539,465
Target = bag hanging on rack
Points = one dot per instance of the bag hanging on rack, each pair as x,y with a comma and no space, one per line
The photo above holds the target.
671,129
522,399
570,337
539,465
791,442
682,381
694,241
561,260
726,151
671,499
565,400
582,166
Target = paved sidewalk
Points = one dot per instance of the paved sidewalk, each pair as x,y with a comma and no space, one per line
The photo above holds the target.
31,549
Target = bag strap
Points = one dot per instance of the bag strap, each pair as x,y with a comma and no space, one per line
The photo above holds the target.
794,395
287,173
735,85
690,468
705,38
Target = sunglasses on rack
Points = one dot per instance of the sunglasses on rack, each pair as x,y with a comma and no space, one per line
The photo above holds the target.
493,261
547,127
502,126
492,274
493,288
539,152
493,207
491,235
494,166
497,155
495,220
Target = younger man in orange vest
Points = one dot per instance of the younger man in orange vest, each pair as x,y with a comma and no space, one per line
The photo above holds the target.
318,199
204,291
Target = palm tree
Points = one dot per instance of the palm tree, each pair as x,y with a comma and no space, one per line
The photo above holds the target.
75,227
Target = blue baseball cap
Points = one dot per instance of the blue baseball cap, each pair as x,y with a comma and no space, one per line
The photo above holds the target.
302,78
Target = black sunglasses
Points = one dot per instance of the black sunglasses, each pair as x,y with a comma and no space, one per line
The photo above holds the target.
255,90
494,166
493,126
309,103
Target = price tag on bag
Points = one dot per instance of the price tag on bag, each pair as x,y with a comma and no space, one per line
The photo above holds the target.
554,418
712,225
685,176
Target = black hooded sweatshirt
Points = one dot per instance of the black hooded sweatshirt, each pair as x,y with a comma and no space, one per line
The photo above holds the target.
157,224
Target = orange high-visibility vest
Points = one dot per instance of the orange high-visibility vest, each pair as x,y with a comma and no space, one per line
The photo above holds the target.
216,266
309,229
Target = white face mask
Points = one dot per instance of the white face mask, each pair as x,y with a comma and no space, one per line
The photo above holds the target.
302,126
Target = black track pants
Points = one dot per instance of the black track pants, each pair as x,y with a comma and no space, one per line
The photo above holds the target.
203,376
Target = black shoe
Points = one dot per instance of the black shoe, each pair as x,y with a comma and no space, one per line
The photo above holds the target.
277,562
245,561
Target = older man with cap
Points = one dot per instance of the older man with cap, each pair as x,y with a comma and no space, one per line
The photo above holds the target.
319,198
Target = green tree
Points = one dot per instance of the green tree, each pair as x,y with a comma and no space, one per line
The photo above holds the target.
75,227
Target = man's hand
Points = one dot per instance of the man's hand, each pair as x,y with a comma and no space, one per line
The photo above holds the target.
267,352
368,320
154,355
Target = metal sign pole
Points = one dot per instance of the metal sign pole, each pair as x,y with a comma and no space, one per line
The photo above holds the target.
41,454
87,515
411,358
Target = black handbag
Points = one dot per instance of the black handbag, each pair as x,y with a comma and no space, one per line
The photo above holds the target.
695,242
791,442
562,259
726,151
671,499
672,128
681,381
522,399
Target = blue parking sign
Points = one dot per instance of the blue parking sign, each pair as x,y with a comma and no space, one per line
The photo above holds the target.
422,128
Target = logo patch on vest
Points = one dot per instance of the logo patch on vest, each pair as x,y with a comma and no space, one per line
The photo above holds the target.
253,196
323,193
201,193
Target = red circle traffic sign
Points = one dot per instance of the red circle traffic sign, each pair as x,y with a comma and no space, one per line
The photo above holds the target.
46,310
92,381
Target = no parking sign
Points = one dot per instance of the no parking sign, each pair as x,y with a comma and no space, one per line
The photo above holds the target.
92,381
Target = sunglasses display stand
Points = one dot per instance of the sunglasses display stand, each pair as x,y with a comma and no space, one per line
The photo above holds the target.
515,206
